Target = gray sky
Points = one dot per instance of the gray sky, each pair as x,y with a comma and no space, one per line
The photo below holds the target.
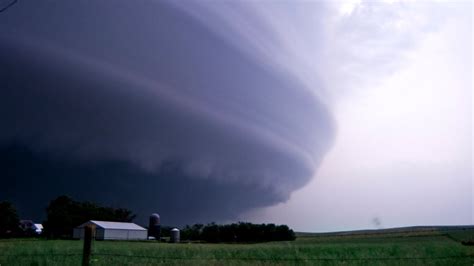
321,115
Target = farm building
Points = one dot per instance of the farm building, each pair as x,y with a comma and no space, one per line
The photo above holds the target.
28,225
112,231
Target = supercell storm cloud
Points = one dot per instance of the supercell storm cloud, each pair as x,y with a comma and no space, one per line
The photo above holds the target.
141,105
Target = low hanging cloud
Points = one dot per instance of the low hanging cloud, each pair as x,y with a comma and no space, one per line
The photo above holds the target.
139,105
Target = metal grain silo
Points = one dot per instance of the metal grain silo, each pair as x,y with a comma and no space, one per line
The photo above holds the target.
174,237
154,227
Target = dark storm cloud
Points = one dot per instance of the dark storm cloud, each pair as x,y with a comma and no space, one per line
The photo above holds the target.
138,105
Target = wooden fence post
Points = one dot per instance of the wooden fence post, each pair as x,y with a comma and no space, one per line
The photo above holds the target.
87,251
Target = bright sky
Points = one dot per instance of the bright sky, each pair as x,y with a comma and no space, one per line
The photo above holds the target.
403,151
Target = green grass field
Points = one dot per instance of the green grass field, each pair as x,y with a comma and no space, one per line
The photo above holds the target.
407,248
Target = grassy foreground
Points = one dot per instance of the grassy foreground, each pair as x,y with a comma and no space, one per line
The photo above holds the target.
408,248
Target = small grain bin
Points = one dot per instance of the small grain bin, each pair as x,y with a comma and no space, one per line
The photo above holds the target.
174,237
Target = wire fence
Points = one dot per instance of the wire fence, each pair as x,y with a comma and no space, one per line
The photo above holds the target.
196,258
296,259
289,259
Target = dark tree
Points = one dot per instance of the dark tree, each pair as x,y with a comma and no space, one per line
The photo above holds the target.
211,233
192,232
9,221
64,213
238,232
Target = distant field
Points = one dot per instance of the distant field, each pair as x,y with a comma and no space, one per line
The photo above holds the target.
415,247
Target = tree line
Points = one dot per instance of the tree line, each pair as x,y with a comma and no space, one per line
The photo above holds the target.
237,233
9,220
63,214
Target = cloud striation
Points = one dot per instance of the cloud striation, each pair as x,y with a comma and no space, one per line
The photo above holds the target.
141,105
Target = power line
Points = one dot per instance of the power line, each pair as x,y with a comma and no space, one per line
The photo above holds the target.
8,6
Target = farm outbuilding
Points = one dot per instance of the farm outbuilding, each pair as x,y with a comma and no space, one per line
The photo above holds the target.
28,225
112,231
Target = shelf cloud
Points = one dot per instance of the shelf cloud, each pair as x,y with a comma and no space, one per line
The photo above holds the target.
142,105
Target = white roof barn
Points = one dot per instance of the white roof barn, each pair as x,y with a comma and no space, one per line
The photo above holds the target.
26,225
112,231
